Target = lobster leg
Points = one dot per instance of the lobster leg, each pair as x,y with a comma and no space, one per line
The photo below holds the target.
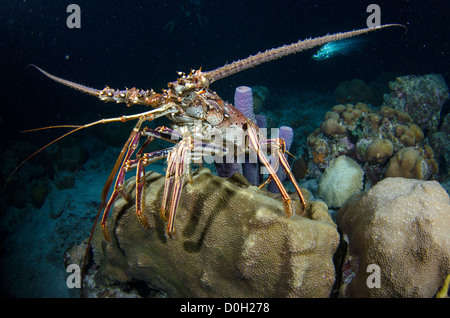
162,132
146,159
280,148
255,145
127,165
118,187
177,169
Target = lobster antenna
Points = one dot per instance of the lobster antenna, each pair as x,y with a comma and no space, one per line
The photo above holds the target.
78,87
38,151
276,53
124,118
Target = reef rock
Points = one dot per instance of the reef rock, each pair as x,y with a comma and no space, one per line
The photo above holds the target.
232,241
398,236
421,96
342,179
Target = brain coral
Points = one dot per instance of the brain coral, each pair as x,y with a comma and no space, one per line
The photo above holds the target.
342,179
233,241
403,227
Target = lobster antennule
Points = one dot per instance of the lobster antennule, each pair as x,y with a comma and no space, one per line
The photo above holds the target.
78,87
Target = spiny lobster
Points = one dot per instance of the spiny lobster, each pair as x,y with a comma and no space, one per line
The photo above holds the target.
187,102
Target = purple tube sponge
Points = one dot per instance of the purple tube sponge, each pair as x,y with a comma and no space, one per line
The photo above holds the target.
243,100
228,167
286,133
261,121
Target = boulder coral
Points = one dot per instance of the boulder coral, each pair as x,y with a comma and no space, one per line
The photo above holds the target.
233,240
398,240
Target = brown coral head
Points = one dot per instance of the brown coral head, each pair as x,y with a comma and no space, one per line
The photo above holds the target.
406,136
379,151
387,112
403,116
331,127
417,131
339,108
374,120
407,163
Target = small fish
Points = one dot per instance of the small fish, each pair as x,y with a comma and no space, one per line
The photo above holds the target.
341,47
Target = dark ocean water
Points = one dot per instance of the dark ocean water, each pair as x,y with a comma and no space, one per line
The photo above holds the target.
144,43
124,43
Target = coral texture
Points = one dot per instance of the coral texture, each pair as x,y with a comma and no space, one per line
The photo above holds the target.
402,226
342,179
420,96
233,241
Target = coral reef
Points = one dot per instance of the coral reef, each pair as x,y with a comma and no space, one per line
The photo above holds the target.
355,91
420,96
233,241
403,227
373,138
341,179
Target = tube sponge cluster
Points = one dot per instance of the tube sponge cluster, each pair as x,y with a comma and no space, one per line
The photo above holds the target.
243,100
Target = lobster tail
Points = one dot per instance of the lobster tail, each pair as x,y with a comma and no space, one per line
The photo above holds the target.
275,53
